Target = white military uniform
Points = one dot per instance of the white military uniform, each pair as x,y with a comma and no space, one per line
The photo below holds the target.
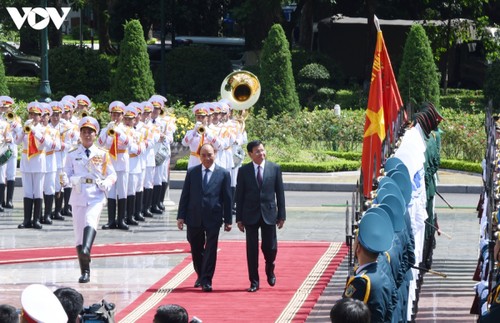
10,167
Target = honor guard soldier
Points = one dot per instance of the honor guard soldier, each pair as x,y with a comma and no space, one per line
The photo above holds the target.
83,105
49,185
115,139
370,284
199,135
151,138
224,156
6,104
33,165
40,305
147,140
89,170
135,168
69,103
165,129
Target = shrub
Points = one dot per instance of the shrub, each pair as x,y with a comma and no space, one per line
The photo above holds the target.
492,84
23,88
74,70
302,57
195,73
75,32
418,74
133,80
311,78
278,84
4,90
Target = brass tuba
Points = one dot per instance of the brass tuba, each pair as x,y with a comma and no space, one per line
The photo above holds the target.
241,89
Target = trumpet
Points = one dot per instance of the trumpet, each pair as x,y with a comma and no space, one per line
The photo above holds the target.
27,129
88,113
111,128
201,129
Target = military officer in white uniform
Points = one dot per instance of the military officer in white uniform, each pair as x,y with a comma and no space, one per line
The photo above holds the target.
7,104
91,174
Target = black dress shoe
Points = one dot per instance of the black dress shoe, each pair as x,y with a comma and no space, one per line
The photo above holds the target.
271,278
197,283
253,288
207,288
84,278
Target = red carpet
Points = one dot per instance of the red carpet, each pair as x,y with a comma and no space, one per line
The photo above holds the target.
12,256
303,269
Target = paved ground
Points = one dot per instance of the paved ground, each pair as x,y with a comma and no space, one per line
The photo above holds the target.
312,215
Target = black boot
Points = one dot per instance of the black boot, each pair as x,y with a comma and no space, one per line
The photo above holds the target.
111,215
138,207
148,197
37,213
122,207
131,210
156,200
84,263
163,192
88,240
58,206
10,194
28,209
2,197
67,208
47,201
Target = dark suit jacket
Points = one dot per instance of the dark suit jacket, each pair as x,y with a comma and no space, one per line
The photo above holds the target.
252,202
208,209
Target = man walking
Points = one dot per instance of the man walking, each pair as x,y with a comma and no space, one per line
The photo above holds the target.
204,205
260,204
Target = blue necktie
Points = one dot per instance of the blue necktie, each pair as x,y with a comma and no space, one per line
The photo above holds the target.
205,179
87,152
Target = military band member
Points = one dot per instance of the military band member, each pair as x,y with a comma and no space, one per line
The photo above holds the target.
370,284
151,138
33,165
7,104
65,131
115,139
135,167
224,156
165,128
200,134
73,135
49,185
89,170
83,105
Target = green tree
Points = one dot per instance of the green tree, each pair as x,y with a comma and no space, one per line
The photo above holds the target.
133,80
492,85
276,75
4,90
418,75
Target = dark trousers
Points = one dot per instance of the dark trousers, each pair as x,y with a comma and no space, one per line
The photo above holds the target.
269,247
203,242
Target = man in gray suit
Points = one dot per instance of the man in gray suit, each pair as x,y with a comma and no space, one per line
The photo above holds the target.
260,204
204,205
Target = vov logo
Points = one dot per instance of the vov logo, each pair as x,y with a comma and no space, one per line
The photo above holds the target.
45,16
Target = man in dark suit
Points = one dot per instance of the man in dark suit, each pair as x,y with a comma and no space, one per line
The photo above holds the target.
260,204
204,205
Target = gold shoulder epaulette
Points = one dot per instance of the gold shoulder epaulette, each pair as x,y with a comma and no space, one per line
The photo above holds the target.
73,149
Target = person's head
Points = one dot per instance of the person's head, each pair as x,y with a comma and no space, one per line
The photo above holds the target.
72,302
8,314
116,110
350,310
39,304
35,112
207,155
256,151
171,313
89,127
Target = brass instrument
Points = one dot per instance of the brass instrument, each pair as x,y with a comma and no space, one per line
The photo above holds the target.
27,129
11,115
201,129
111,129
241,89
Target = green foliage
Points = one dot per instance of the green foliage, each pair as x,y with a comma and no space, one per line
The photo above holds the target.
195,73
75,32
352,99
74,70
471,101
23,88
463,136
4,90
311,87
133,80
461,165
418,79
301,58
276,77
492,85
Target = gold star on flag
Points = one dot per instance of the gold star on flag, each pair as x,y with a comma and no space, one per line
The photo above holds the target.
377,124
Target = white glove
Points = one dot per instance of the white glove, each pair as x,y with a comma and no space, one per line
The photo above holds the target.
103,185
37,134
63,179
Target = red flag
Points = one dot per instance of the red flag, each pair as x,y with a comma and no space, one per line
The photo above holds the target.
374,132
32,148
113,150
